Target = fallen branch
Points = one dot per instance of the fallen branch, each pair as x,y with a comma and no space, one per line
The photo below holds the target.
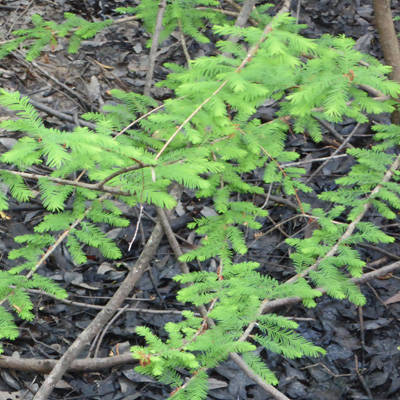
85,364
369,276
275,393
98,307
154,46
95,364
103,316
60,115
243,16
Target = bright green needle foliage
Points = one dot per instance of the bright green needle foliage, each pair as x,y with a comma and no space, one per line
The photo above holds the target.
189,15
13,290
45,33
217,142
236,296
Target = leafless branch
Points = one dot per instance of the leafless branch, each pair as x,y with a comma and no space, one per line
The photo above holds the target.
45,366
154,46
103,316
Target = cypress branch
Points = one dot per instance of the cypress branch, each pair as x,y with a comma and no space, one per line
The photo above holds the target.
206,139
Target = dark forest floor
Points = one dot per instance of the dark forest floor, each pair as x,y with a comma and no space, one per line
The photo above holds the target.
368,336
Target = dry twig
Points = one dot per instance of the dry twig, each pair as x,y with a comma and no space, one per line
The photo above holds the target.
103,316
154,46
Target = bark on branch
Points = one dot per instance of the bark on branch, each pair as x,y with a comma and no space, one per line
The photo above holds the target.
84,364
389,42
103,316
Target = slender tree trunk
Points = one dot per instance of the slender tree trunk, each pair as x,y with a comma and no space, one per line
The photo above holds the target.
389,42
